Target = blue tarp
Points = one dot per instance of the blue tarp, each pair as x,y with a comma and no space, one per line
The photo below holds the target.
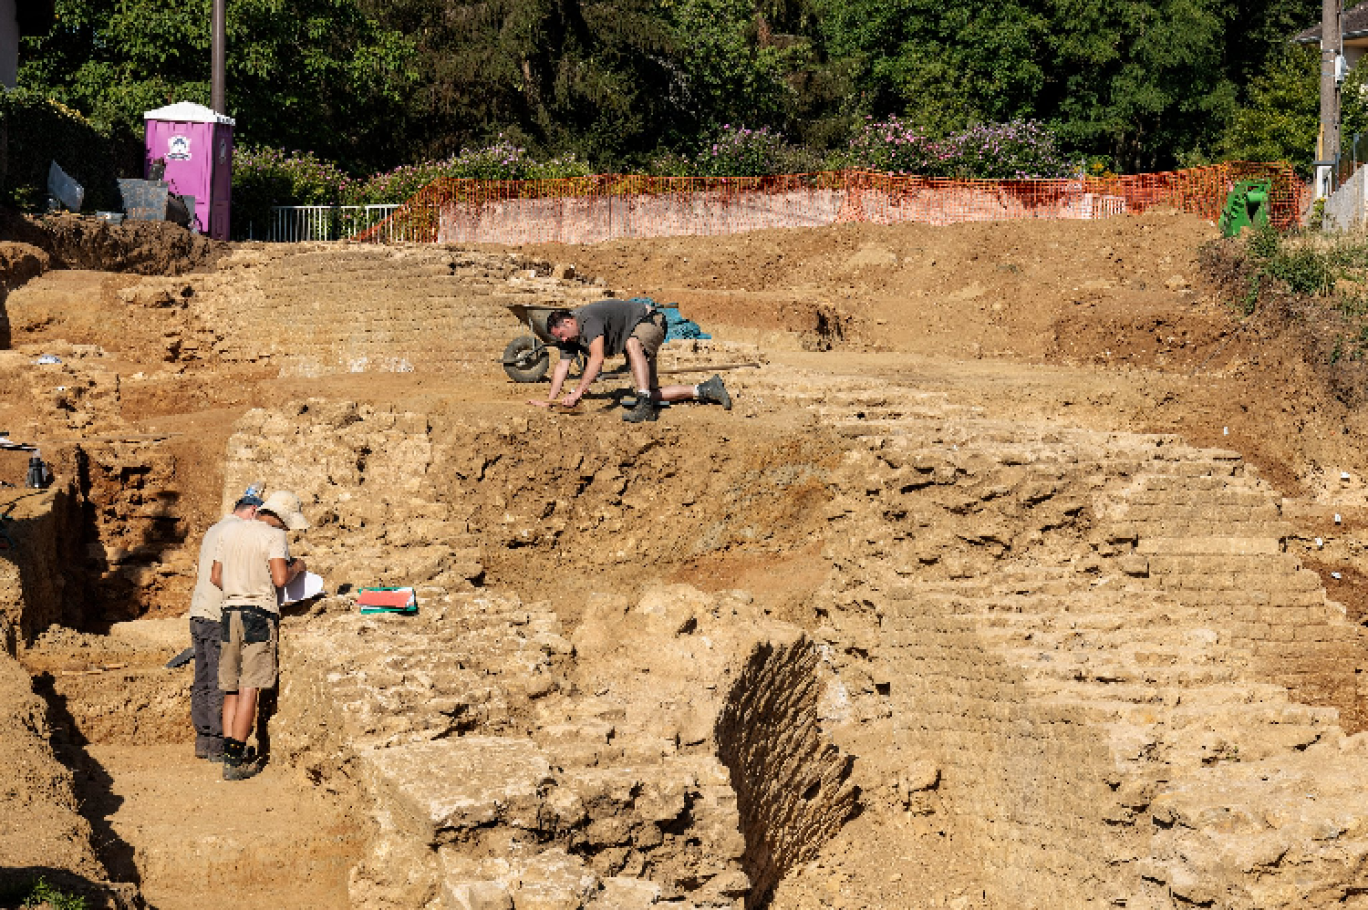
676,326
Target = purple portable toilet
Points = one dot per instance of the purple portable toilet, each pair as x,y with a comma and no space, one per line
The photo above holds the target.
197,145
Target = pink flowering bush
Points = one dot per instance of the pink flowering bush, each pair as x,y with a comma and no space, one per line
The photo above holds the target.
1020,150
737,151
892,146
500,161
300,178
1009,151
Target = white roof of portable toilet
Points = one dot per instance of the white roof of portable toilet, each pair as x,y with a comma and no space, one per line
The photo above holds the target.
187,112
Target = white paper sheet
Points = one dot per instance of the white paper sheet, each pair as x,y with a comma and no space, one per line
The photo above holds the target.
303,587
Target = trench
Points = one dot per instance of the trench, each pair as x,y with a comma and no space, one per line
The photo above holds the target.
162,819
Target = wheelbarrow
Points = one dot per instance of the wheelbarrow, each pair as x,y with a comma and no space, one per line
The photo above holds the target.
527,357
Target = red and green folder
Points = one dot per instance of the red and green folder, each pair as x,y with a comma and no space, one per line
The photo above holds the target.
387,600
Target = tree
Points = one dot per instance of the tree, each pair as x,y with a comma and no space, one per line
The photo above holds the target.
1282,118
601,78
371,84
940,65
1143,81
728,77
309,74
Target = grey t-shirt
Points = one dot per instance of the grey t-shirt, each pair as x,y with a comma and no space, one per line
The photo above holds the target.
612,319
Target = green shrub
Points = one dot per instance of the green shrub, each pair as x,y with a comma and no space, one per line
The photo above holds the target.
1316,221
667,163
39,131
1263,242
1332,277
1304,268
43,893
38,893
263,177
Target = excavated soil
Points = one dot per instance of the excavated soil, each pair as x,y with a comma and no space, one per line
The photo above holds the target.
140,247
1123,325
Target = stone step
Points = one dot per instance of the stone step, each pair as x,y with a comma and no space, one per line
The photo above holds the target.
1207,707
1110,672
1138,655
1166,622
1200,564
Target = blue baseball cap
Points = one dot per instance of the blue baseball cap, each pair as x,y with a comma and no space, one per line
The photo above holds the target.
251,497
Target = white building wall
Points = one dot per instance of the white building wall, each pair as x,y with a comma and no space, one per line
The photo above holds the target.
1344,209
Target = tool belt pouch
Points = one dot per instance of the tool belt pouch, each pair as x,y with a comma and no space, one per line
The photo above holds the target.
256,624
652,315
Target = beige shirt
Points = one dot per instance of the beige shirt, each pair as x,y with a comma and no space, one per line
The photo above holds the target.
206,602
245,551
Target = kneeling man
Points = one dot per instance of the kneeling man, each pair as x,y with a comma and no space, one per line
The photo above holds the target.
611,327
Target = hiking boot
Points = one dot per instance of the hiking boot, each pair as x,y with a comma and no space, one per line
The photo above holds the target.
645,410
241,768
714,391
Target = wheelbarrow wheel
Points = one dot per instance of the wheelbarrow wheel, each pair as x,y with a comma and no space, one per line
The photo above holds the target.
526,359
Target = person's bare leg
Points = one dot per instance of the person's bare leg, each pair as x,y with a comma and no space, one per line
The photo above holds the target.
641,366
229,709
643,376
243,716
676,393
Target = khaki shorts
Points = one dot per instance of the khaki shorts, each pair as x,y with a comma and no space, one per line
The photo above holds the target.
247,656
651,334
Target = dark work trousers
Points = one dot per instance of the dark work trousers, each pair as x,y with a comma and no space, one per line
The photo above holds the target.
206,699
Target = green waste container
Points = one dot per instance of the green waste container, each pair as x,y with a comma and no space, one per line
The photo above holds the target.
1246,206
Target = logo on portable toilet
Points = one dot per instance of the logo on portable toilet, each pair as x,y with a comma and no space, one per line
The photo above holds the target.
178,148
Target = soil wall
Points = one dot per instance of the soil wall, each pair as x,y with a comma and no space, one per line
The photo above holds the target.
42,831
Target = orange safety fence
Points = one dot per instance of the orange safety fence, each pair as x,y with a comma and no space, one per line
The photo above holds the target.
613,206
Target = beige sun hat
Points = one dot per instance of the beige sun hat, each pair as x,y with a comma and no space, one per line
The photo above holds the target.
285,505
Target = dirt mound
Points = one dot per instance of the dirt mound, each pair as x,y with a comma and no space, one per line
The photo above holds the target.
141,247
966,289
21,262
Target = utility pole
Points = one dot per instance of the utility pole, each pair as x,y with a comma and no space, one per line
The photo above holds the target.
217,91
1327,153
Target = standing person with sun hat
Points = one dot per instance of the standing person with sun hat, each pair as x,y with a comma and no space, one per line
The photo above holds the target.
251,560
